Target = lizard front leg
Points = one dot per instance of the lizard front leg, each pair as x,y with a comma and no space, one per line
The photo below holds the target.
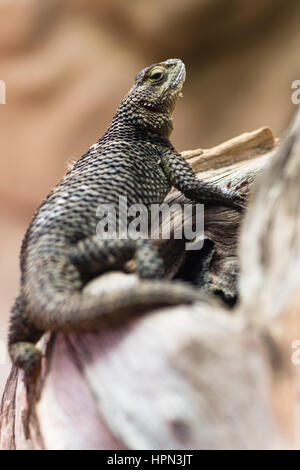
182,177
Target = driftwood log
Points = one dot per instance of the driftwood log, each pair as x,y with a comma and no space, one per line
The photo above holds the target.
220,374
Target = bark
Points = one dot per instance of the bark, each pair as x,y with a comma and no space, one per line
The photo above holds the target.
219,374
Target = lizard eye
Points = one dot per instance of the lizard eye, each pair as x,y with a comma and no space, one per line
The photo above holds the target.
156,73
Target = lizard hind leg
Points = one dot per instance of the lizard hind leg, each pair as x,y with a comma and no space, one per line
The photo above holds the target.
22,338
149,263
96,255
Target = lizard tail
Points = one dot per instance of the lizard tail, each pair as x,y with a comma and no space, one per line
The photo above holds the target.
84,312
55,298
79,311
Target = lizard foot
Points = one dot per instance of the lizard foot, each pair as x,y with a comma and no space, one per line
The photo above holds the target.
26,356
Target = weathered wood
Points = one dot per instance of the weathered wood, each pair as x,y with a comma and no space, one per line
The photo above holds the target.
270,278
234,164
240,148
201,376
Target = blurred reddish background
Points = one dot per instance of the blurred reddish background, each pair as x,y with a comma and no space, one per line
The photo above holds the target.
67,65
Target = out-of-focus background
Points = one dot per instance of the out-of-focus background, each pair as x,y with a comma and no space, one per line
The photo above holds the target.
67,65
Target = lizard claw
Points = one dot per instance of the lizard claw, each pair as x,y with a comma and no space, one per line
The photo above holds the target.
238,201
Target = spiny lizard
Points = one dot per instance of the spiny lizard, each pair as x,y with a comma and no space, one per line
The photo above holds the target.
135,159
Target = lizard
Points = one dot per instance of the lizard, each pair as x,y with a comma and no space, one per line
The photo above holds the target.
136,159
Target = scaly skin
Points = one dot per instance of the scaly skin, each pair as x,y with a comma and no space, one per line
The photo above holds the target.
134,158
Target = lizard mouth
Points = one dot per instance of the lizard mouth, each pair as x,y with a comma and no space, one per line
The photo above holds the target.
176,69
176,81
180,86
180,76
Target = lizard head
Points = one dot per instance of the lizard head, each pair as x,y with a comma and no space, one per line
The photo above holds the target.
151,101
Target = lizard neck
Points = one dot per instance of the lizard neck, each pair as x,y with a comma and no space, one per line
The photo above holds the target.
135,119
